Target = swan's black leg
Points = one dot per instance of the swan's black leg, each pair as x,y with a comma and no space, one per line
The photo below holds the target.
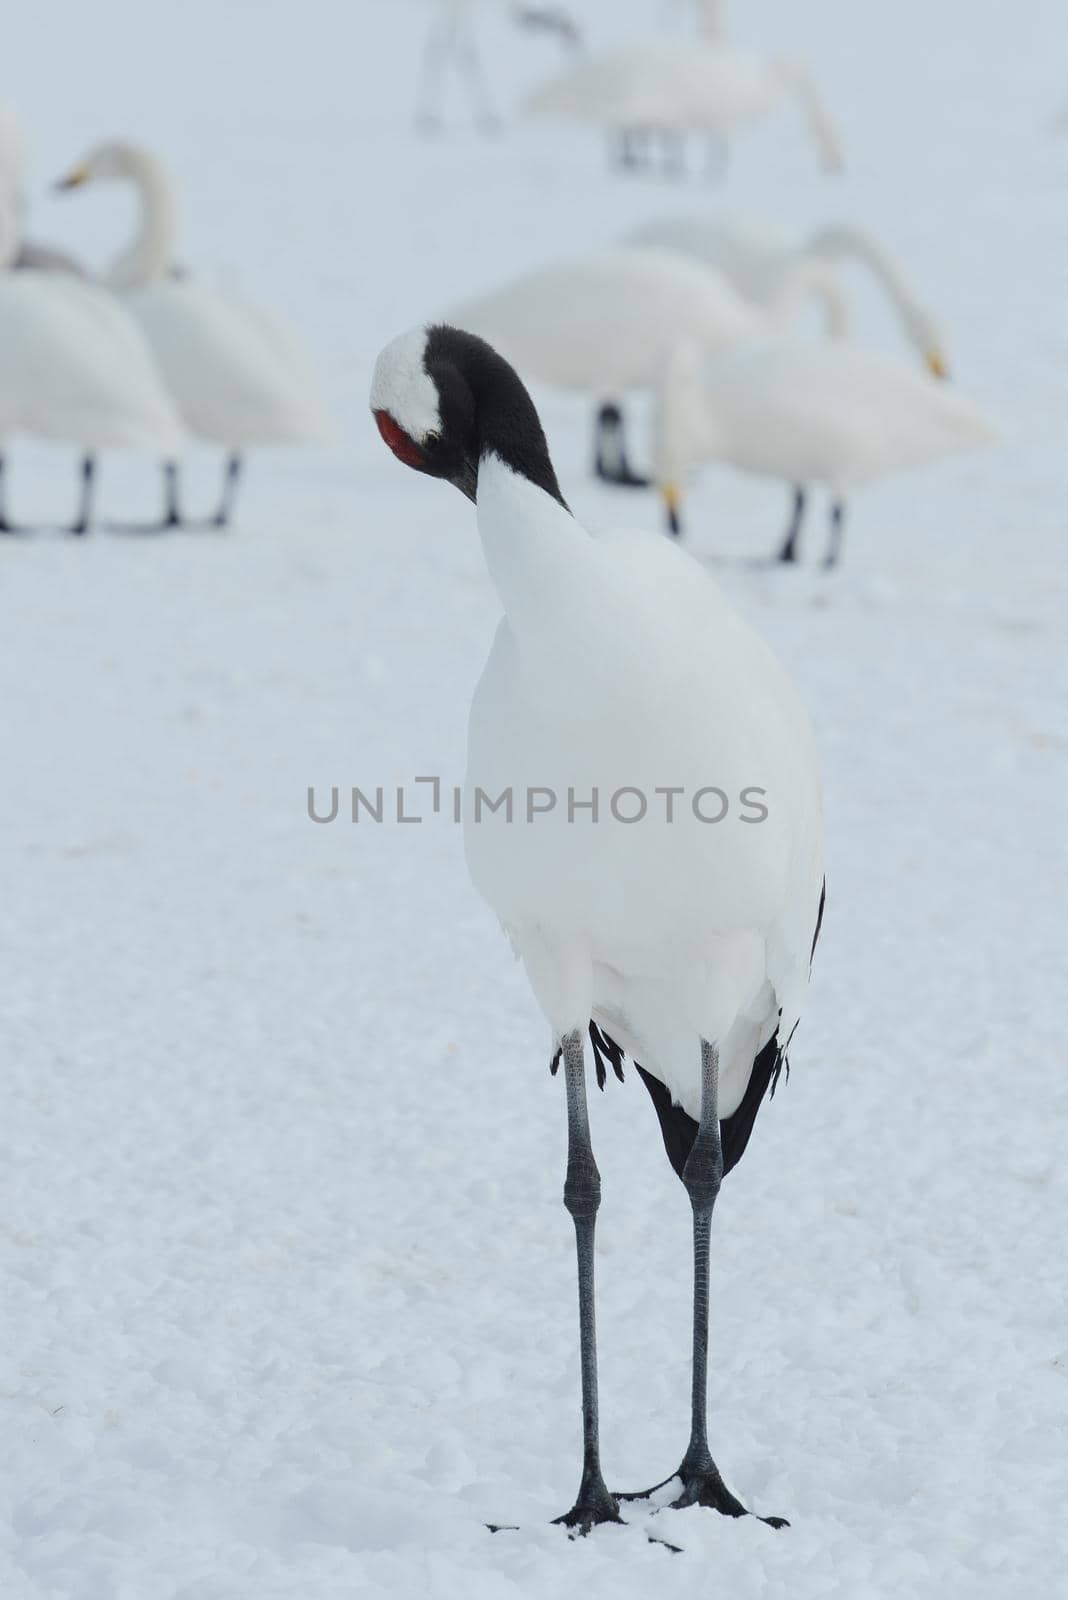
231,479
5,525
626,149
702,1175
793,532
582,1197
172,516
834,548
610,463
82,522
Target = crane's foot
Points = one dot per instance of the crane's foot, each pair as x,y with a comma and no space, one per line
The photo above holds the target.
589,1511
703,1485
593,1507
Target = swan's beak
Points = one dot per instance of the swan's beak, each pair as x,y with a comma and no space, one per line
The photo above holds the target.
936,364
74,178
671,495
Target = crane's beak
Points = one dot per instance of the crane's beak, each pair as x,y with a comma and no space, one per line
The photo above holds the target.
671,495
936,364
73,179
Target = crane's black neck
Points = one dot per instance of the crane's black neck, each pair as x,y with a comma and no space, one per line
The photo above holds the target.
486,410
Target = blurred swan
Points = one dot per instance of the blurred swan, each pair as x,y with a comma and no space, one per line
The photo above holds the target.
239,377
812,413
757,255
709,15
605,321
13,165
452,42
74,367
680,86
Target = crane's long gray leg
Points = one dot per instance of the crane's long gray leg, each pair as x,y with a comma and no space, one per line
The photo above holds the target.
231,480
702,1483
793,532
834,548
582,1197
85,508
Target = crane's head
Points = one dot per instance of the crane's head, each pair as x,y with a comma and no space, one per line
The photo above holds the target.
443,399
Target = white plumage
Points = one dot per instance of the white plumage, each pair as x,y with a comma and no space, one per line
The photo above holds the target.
812,412
603,321
239,377
620,666
73,366
685,86
758,257
606,320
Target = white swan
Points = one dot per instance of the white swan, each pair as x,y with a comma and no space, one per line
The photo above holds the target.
605,321
709,15
74,367
618,676
681,86
813,412
238,377
13,165
757,256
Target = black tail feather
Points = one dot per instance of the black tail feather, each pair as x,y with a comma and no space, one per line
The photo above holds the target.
678,1128
606,1053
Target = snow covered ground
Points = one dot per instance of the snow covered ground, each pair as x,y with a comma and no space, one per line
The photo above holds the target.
288,1300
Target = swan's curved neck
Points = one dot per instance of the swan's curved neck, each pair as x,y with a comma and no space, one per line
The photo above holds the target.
151,254
805,280
796,80
840,240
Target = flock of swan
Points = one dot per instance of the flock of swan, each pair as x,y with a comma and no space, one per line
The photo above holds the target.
146,360
695,311
698,310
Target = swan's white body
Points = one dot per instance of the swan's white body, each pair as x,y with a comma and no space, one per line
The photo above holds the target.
238,377
829,413
73,366
685,86
233,381
605,321
758,257
619,665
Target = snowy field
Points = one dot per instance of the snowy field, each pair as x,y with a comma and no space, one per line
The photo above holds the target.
288,1289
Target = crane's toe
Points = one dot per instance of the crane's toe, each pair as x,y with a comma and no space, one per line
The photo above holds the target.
589,1512
704,1486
